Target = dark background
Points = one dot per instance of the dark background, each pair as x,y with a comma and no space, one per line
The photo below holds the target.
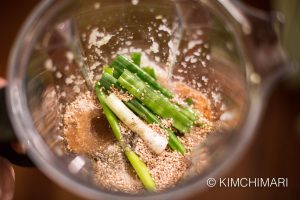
275,151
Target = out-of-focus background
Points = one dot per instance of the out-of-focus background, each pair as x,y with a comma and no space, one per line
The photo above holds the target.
275,151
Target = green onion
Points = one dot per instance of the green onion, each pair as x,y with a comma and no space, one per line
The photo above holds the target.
136,58
154,101
141,169
150,71
189,101
144,113
108,70
154,140
175,143
111,118
122,62
138,165
188,112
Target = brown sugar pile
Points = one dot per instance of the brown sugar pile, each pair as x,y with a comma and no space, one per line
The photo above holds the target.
82,122
200,102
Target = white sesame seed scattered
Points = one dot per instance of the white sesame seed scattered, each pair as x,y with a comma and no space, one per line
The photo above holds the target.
135,2
68,81
204,79
58,75
63,94
76,89
128,43
67,67
97,5
159,17
95,65
49,65
193,60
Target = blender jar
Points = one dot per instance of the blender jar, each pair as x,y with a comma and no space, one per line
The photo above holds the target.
221,48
